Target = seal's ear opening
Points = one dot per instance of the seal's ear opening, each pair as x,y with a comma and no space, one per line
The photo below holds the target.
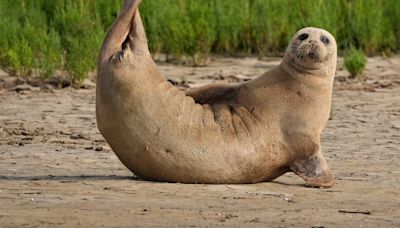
314,170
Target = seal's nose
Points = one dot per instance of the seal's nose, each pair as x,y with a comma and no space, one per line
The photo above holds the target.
314,45
312,42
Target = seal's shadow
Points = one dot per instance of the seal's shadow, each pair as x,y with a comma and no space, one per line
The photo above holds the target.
67,178
287,184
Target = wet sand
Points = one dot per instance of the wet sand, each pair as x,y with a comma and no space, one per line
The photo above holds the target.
57,170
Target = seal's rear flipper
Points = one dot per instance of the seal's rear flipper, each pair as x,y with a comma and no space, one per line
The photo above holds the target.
119,31
314,171
137,36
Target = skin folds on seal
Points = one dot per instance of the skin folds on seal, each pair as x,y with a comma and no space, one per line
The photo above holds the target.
222,133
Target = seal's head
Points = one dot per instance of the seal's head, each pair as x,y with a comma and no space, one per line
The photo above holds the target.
312,48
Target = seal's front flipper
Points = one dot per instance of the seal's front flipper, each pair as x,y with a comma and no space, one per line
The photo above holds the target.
314,171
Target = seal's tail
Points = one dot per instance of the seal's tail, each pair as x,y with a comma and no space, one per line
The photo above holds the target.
127,27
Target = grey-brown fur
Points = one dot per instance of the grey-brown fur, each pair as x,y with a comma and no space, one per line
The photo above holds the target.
231,133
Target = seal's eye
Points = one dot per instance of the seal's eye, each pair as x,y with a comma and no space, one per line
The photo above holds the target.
303,36
324,40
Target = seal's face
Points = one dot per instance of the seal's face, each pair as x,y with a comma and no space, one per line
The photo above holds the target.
312,48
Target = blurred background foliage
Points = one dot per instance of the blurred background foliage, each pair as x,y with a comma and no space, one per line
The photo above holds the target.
38,37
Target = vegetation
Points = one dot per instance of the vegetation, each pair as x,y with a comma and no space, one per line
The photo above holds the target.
38,37
355,61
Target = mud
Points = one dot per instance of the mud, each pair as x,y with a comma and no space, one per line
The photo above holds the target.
56,170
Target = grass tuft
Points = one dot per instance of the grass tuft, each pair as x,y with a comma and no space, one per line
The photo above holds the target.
355,61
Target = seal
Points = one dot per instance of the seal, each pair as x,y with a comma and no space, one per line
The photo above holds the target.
221,133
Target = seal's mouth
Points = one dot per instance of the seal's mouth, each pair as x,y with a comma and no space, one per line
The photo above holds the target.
312,55
308,54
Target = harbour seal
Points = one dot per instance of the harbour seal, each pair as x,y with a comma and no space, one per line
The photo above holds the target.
222,133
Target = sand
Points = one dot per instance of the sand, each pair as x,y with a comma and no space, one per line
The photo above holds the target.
56,170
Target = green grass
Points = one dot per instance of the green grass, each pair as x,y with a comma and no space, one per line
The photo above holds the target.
355,61
38,37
